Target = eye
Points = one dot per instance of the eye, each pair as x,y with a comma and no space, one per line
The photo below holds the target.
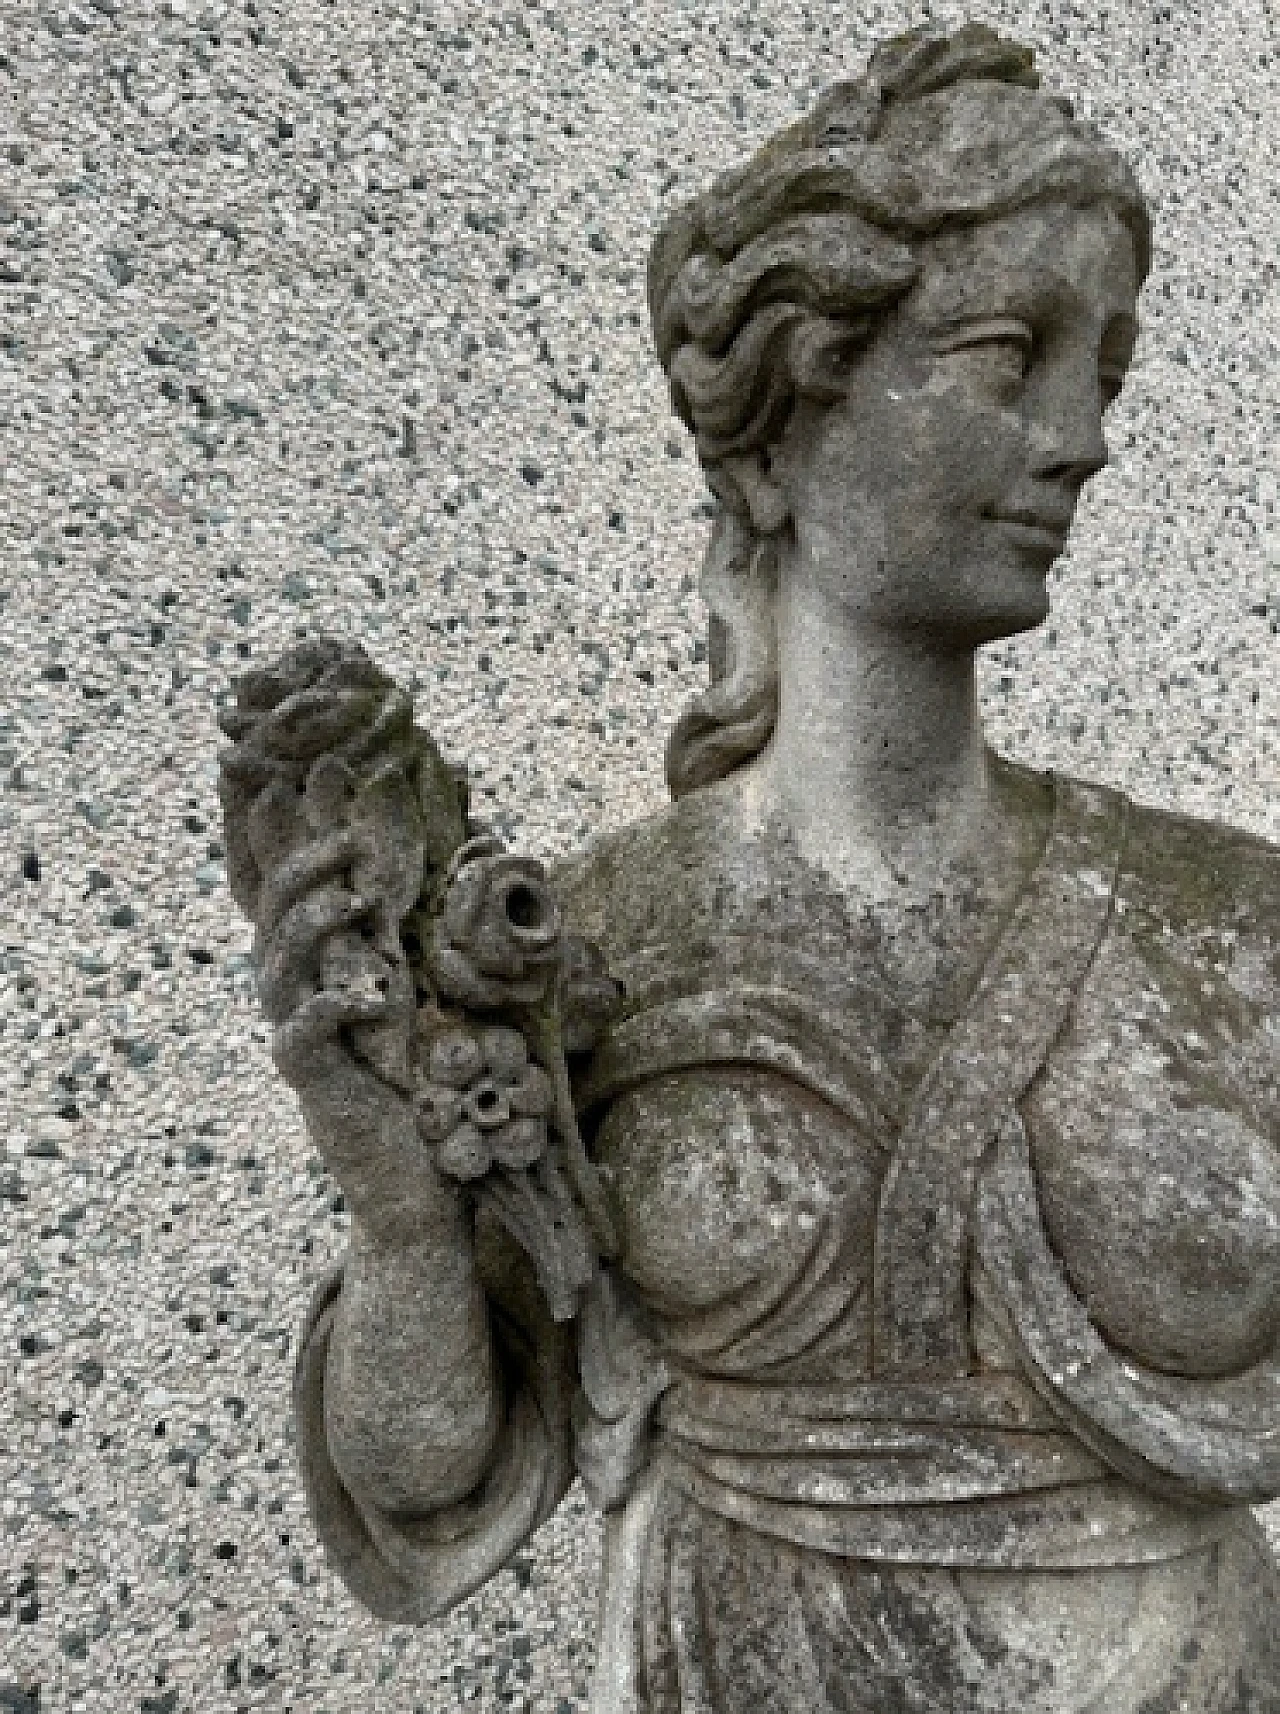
998,354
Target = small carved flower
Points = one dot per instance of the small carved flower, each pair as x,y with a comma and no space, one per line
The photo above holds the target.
455,1057
498,936
483,1101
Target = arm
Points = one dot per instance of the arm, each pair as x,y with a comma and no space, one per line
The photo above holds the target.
410,1566
432,1419
432,1389
412,1394
413,1303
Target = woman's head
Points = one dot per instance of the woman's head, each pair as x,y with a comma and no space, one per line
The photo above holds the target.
766,292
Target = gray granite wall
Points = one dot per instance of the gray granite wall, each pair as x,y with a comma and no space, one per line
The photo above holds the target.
322,316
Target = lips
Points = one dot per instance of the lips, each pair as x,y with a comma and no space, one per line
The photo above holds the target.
1040,528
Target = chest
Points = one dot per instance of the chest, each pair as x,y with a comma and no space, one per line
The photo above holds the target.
1159,1185
727,1177
1157,1159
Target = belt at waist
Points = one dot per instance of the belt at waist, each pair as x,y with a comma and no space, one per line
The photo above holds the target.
972,1472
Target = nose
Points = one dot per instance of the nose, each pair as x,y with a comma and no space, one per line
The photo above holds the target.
1066,435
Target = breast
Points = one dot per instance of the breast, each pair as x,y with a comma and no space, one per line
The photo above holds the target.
1159,1187
726,1177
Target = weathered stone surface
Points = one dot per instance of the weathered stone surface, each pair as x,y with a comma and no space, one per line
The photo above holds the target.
864,1173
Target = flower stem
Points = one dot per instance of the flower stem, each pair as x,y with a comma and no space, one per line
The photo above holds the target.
523,1209
544,1033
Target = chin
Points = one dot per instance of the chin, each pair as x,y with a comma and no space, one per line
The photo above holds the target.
1024,616
1019,602
974,625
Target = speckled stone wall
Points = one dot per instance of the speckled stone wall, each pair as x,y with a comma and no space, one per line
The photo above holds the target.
328,316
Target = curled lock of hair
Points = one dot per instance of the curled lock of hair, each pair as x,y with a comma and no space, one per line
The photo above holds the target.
732,720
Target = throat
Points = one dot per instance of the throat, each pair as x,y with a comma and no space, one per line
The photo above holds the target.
902,846
926,900
931,929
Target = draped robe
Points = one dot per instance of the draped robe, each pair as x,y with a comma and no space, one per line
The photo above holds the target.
862,1437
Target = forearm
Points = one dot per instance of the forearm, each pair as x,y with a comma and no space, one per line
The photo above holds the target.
413,1398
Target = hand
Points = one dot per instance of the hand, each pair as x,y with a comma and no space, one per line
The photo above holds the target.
305,905
364,1126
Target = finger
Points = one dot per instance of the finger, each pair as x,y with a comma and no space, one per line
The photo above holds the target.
314,720
274,824
289,961
299,1046
394,718
305,869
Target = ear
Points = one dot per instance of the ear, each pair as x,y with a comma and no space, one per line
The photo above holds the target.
753,475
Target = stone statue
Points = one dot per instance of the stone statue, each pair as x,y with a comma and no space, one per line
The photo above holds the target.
864,1173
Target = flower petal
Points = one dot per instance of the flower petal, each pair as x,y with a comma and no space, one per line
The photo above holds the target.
520,1143
463,903
439,1110
465,1154
490,947
458,980
531,1096
506,1053
312,721
454,1058
328,790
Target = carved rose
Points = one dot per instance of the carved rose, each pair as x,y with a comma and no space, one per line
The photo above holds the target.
321,737
321,698
498,937
323,740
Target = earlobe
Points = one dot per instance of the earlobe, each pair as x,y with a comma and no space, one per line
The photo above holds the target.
765,499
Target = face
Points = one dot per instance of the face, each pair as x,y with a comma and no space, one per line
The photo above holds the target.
980,399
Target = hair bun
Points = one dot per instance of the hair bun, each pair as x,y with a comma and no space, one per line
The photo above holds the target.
917,63
930,58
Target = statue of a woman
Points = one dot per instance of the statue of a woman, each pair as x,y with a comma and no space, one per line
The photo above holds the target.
929,1361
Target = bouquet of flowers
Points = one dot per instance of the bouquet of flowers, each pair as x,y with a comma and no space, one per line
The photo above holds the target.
465,930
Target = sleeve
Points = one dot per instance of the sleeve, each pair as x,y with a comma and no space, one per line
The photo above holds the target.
413,1570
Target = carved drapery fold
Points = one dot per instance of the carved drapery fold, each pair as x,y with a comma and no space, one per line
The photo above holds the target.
736,999
408,1570
1216,1441
1024,998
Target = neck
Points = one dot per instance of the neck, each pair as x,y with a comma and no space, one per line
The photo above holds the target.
877,762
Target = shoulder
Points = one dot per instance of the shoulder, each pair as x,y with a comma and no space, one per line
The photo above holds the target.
1182,867
651,880
1191,877
1209,889
1197,902
1193,895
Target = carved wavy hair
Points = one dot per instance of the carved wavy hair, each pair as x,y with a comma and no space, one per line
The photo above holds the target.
763,287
